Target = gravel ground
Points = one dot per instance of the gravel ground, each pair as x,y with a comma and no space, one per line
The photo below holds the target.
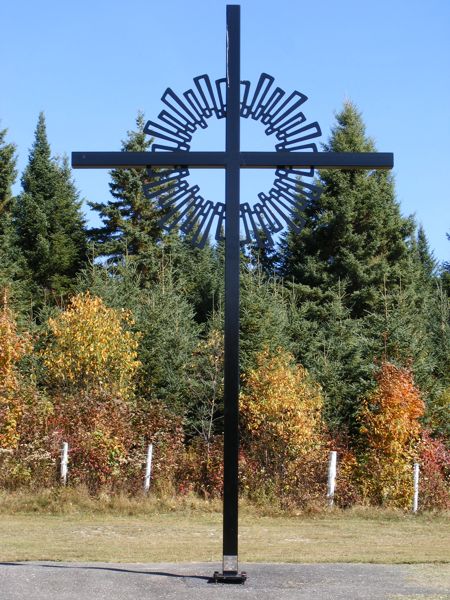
113,581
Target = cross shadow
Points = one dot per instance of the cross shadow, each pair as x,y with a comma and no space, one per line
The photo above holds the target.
113,569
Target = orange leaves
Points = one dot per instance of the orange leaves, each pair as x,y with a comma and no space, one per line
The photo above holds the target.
92,347
390,430
390,414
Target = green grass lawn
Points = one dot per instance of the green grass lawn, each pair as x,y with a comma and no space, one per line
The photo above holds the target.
195,535
68,524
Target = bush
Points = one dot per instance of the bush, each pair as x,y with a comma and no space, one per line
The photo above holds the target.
434,482
283,438
91,348
390,431
13,347
201,470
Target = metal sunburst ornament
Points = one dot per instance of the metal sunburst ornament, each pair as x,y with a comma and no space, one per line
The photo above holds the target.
281,115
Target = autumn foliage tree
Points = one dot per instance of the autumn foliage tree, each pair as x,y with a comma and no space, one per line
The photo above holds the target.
390,431
13,347
92,347
281,409
23,410
434,460
91,362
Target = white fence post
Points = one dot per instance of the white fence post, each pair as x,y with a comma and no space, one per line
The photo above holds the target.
331,477
416,487
148,468
64,462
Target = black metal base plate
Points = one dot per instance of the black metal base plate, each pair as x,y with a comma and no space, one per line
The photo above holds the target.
229,577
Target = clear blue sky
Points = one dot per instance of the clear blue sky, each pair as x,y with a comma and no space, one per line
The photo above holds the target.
91,65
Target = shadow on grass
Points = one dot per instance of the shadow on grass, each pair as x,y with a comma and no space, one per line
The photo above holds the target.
113,569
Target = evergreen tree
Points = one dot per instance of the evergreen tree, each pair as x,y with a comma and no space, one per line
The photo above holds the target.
353,232
200,275
425,256
49,221
130,230
437,415
205,392
439,333
263,317
334,348
401,333
170,335
363,277
8,175
130,221
445,274
264,257
12,267
119,286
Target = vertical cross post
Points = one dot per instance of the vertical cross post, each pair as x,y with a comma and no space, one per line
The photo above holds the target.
232,271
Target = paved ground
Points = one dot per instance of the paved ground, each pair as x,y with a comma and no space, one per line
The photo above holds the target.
109,581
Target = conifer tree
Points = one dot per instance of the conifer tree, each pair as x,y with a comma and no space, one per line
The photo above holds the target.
49,221
130,221
425,255
402,332
205,392
12,267
335,349
263,317
264,257
130,231
200,276
354,232
356,240
170,336
8,175
445,273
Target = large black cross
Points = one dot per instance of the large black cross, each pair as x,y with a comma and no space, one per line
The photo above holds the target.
232,160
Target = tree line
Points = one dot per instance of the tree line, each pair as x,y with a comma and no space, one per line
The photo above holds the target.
112,336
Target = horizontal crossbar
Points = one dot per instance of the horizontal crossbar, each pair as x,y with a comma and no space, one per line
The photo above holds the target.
141,160
219,160
319,160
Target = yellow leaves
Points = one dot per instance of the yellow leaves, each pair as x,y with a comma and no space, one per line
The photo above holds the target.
391,428
91,347
283,442
10,414
12,348
281,404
